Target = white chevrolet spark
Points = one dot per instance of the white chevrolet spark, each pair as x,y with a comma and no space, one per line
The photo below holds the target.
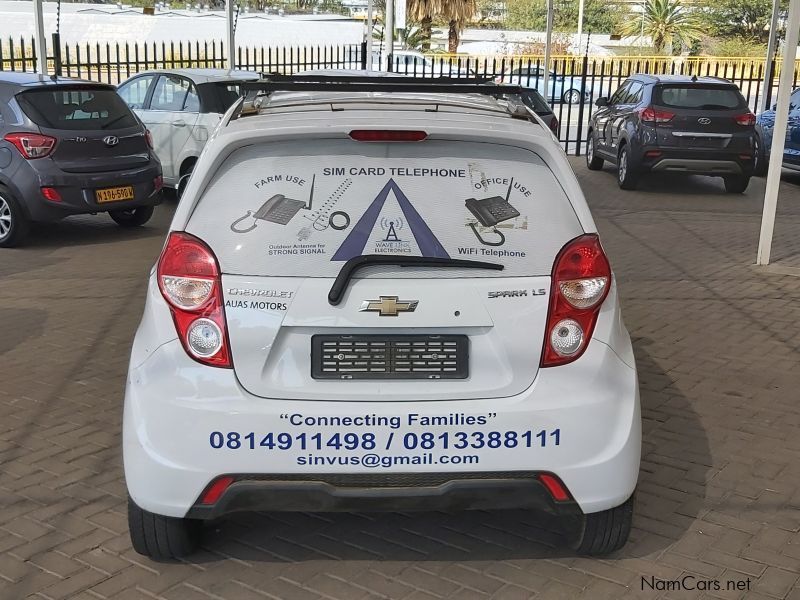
386,298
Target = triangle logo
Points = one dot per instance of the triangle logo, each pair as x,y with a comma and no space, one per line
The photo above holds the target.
357,239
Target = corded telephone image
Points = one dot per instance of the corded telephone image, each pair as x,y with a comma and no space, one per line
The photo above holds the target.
490,212
278,209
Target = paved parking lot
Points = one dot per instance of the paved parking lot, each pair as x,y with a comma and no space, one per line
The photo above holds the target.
717,346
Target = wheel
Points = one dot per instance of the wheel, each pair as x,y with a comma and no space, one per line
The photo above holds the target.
14,223
594,163
759,156
133,217
736,184
627,177
184,179
606,531
571,96
160,537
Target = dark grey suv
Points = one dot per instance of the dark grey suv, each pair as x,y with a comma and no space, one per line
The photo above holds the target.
70,147
676,124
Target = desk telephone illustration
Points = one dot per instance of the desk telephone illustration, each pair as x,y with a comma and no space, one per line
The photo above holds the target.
278,209
490,212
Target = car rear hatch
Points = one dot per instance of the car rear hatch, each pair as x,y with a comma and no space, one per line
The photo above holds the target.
701,116
283,219
95,131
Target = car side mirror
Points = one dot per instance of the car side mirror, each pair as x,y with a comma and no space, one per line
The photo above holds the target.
601,101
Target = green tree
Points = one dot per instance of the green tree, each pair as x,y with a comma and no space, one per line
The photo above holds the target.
423,12
748,19
457,13
665,22
599,16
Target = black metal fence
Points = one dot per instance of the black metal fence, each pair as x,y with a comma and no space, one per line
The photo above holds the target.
575,82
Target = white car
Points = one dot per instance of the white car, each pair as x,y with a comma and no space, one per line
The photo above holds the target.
391,298
181,108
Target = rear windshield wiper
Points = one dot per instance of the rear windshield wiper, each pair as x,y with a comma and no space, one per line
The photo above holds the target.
354,264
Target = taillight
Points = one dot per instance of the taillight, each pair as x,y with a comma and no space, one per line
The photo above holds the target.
747,119
51,194
554,125
189,279
580,281
158,183
387,135
148,137
651,115
31,145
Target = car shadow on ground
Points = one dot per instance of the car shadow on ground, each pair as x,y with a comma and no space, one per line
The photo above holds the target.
489,535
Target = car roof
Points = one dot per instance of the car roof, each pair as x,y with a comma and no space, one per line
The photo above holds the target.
28,80
206,75
680,79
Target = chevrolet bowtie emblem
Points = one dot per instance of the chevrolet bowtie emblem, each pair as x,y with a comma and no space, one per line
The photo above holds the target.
389,306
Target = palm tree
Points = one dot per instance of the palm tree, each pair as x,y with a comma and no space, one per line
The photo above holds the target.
423,12
666,22
457,13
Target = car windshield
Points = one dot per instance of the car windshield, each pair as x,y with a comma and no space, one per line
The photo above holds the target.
707,97
76,108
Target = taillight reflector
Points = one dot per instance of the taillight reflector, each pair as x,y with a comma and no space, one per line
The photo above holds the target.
387,135
555,488
31,145
215,490
51,194
189,279
148,137
580,281
651,115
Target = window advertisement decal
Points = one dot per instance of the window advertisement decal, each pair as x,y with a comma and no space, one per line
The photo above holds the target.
276,210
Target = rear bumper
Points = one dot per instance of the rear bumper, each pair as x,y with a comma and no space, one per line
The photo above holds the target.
696,161
699,166
77,190
326,493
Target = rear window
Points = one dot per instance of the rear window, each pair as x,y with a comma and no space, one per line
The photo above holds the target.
227,94
79,108
301,209
708,97
535,101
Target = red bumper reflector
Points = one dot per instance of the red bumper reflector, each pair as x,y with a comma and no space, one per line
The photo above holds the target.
215,490
652,153
51,194
553,484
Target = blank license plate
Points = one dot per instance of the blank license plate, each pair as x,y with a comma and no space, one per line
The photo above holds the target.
114,194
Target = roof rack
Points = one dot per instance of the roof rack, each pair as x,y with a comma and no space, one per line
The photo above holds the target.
256,91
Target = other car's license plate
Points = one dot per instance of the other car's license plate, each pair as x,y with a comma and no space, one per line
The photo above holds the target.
114,194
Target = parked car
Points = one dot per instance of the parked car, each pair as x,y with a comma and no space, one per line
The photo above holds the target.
536,102
560,87
71,147
676,124
765,123
182,107
366,304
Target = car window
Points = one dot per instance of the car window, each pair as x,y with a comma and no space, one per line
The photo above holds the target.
303,208
134,91
192,102
170,93
634,94
227,94
621,93
78,108
534,101
709,97
794,100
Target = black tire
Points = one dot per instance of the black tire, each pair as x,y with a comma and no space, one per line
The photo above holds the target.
184,179
627,175
162,538
759,156
14,223
593,162
736,184
133,217
571,97
606,531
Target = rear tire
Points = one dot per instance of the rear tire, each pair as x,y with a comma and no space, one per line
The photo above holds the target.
162,538
737,184
593,162
134,217
627,177
14,223
606,531
759,156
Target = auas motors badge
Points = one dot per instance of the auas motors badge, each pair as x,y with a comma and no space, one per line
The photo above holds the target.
389,306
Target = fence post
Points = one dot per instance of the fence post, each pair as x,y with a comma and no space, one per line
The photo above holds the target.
364,55
57,54
583,102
